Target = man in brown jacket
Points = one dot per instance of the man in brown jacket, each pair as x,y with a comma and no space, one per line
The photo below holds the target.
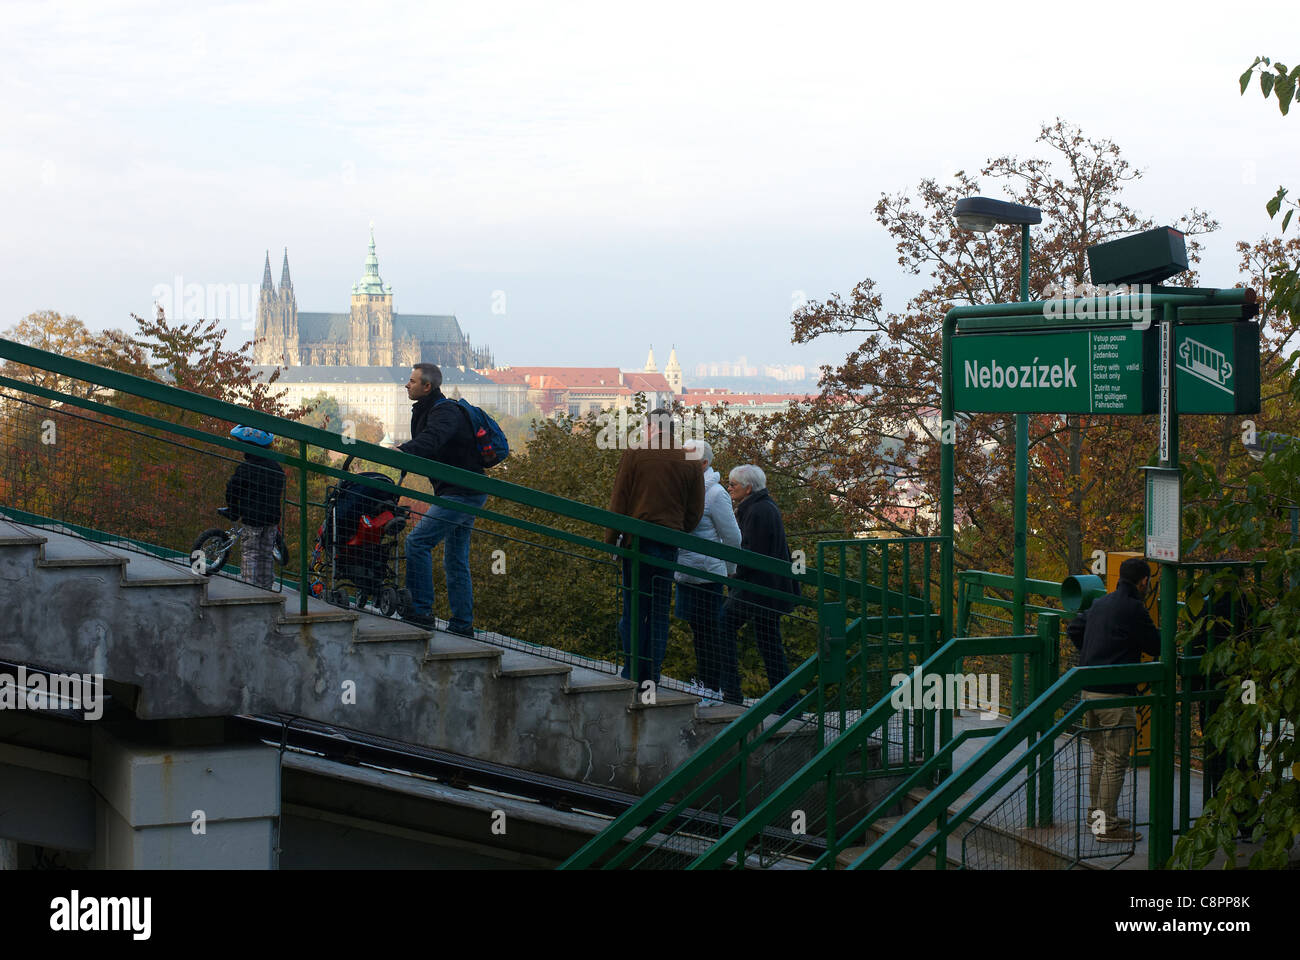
657,483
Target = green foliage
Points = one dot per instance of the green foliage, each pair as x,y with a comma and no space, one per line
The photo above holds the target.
1279,82
1249,518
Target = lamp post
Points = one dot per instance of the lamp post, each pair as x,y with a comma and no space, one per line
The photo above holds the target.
980,214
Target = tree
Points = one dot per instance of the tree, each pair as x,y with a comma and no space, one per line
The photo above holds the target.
1247,514
871,440
1257,668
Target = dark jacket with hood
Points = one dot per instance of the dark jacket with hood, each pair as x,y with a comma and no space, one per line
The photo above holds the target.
254,493
1116,629
763,531
441,432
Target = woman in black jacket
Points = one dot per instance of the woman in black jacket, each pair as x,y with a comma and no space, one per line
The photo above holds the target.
763,531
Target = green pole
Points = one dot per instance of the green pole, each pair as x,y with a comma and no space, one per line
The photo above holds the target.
947,441
1162,709
1021,510
302,528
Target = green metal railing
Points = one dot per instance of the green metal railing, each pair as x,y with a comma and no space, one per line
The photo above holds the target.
182,453
869,630
1006,839
832,764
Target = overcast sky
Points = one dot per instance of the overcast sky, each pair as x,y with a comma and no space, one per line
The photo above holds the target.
623,174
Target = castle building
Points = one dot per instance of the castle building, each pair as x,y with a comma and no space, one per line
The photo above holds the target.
363,358
370,334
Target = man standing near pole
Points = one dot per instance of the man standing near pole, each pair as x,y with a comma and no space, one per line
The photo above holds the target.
1116,629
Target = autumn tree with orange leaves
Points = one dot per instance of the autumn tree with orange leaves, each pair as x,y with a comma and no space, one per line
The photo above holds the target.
870,441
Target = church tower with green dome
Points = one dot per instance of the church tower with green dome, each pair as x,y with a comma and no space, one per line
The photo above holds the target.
370,332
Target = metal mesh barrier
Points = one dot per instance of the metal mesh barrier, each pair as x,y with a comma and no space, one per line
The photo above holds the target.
1046,821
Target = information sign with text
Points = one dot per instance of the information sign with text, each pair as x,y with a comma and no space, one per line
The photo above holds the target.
1107,370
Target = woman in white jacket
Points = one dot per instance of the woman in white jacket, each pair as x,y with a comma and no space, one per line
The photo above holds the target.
699,600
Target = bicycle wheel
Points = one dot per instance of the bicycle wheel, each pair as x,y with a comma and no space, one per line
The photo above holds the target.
210,551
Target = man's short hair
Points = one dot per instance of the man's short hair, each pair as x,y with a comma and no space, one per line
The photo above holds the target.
663,419
748,475
429,373
1134,570
698,450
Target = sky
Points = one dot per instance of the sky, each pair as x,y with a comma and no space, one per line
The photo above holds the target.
577,182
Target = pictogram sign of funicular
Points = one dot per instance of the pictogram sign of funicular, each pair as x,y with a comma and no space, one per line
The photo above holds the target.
1205,363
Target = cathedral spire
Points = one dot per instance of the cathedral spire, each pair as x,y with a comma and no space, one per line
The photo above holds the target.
266,273
650,362
285,282
370,282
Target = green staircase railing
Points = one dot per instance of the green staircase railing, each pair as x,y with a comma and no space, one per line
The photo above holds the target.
891,625
170,459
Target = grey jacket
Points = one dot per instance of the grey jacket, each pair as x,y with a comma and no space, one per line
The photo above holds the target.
719,525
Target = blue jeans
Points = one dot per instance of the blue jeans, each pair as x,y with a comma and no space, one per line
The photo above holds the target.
453,526
652,613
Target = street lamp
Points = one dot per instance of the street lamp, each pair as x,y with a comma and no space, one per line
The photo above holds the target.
981,215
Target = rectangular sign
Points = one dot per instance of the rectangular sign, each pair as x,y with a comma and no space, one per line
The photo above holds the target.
1106,370
1217,367
1163,514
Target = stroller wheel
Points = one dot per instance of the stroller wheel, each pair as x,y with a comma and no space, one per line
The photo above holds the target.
339,598
403,602
388,602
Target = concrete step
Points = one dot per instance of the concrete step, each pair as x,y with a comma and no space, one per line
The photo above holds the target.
518,664
226,591
143,570
61,550
13,535
451,646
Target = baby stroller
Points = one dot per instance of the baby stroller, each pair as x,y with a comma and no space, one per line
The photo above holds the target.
357,547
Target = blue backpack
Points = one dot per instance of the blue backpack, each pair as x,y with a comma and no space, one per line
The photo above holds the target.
489,440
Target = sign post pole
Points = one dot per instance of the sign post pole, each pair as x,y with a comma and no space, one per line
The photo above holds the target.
1162,714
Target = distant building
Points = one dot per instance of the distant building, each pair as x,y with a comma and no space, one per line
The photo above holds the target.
363,358
762,404
580,390
370,334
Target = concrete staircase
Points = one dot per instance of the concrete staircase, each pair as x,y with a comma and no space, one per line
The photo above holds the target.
179,645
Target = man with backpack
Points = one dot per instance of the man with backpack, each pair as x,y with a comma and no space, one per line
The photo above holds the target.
442,430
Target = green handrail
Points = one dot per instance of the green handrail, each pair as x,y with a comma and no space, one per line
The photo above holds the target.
1019,729
852,739
305,436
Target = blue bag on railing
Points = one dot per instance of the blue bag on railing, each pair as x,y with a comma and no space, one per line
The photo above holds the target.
489,439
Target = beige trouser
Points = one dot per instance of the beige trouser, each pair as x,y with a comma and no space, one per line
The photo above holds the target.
1111,734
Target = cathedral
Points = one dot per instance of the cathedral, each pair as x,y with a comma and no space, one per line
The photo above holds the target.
371,334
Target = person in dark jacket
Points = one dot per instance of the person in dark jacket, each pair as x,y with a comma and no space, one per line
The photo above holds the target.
253,496
661,483
763,531
441,431
1116,629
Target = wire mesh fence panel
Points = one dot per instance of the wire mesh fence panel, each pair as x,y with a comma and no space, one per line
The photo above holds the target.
112,482
1051,818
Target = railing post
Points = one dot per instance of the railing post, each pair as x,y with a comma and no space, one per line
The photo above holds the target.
634,614
302,527
1049,632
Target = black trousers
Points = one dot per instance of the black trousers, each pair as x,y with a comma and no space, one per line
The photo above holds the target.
766,626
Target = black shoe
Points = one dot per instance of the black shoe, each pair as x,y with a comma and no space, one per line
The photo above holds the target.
466,632
418,620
